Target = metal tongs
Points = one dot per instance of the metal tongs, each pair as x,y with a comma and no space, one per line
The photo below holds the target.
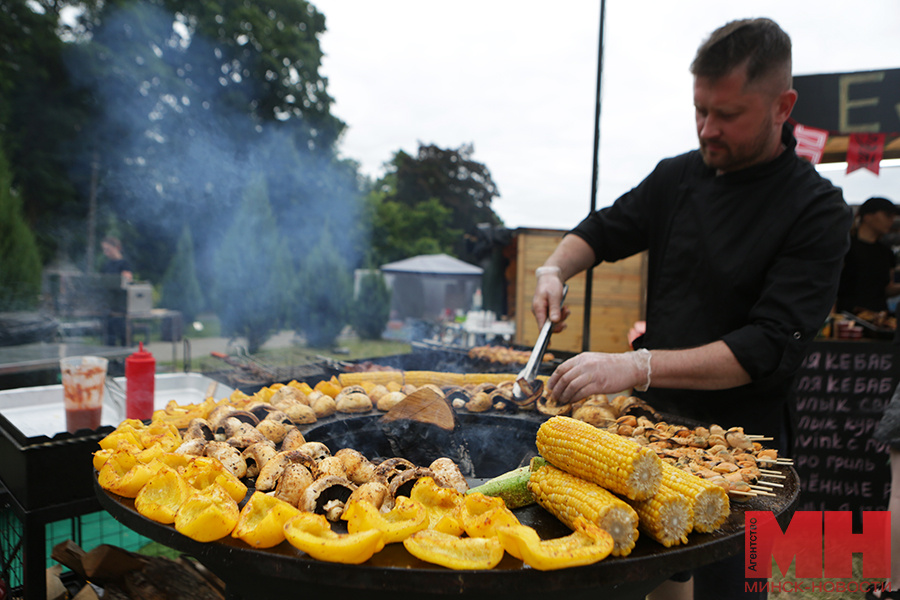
523,388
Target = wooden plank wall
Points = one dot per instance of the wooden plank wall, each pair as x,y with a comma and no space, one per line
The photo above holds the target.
618,296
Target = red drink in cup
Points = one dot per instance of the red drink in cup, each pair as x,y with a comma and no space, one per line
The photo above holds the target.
83,380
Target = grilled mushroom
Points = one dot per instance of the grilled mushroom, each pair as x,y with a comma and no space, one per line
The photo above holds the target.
447,474
199,429
229,456
332,465
293,439
324,406
327,496
374,492
390,468
272,471
402,484
257,455
315,450
194,447
293,482
357,467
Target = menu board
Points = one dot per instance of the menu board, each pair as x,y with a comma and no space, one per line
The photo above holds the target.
840,394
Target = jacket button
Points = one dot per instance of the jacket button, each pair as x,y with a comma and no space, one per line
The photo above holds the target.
797,335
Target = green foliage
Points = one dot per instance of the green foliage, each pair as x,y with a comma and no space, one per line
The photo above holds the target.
430,203
324,294
372,306
180,286
20,262
253,272
400,231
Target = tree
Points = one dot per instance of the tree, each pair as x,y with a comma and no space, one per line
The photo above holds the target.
372,306
399,231
453,179
180,288
253,272
324,294
20,262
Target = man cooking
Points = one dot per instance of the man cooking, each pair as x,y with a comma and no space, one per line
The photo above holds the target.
745,243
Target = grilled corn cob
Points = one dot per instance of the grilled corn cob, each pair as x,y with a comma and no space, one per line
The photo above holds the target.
492,378
620,465
375,377
666,516
568,497
708,501
438,378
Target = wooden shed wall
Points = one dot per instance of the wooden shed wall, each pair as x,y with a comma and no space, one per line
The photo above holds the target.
618,296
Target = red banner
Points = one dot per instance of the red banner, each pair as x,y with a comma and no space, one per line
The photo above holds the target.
864,151
810,142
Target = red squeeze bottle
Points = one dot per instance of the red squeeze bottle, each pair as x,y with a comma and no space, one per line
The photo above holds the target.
140,382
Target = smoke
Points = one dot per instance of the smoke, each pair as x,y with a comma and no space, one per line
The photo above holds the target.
174,143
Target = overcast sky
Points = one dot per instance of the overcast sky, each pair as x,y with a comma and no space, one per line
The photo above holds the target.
517,79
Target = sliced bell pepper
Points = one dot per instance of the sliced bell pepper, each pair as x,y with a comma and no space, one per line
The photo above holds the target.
162,496
406,518
124,474
207,515
261,523
124,433
443,505
165,435
311,533
203,471
482,515
454,552
584,546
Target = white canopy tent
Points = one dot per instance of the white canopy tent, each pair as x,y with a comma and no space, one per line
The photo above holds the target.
430,286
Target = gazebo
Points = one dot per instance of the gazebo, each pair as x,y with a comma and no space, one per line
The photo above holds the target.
430,286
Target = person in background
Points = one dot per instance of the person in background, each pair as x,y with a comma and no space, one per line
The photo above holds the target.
867,280
115,264
745,245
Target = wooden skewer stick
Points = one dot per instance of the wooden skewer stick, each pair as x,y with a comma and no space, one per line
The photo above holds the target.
761,492
774,475
784,461
770,483
741,493
759,438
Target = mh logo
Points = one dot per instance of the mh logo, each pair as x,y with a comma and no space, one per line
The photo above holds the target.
823,544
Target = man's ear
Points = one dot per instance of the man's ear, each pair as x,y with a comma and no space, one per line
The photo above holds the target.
784,104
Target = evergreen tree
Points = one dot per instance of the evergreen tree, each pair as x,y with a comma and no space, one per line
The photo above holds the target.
253,272
180,286
324,294
372,306
20,261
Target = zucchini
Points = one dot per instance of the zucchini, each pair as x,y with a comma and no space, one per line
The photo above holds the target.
512,486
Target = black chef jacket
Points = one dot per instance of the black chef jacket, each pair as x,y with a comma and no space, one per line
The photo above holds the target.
751,257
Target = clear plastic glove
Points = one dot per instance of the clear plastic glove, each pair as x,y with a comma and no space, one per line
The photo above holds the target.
547,300
594,373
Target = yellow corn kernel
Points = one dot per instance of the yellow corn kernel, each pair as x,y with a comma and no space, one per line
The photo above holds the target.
382,377
620,465
569,498
708,501
493,378
666,517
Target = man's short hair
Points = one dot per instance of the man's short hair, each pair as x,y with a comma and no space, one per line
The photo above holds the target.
760,44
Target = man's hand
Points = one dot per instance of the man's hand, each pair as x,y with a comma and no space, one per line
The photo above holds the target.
594,373
547,300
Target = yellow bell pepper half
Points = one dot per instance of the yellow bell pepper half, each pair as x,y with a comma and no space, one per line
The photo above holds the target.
443,505
482,515
124,433
584,546
203,471
207,515
461,553
406,518
311,533
162,496
261,523
124,474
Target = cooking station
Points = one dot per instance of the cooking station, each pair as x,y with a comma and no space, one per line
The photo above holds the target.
496,443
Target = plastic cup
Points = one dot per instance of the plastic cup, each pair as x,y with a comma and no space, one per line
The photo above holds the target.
83,380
